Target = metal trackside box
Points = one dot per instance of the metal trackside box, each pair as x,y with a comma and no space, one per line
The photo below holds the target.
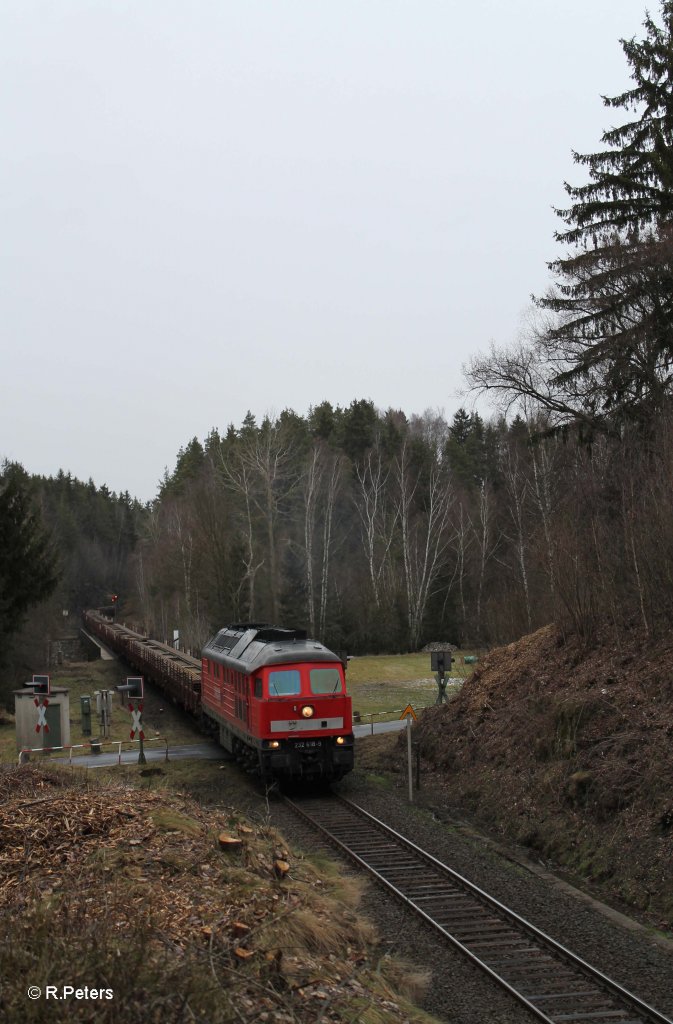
441,661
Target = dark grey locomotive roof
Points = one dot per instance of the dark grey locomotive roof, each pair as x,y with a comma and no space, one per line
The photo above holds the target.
247,646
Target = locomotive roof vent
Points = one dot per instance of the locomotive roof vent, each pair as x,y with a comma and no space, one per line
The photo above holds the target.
277,633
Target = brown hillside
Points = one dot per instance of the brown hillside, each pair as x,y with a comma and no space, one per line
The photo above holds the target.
570,751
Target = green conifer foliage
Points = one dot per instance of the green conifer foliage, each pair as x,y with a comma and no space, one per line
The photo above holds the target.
611,341
28,572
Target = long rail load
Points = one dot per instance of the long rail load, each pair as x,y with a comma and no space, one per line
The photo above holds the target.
176,673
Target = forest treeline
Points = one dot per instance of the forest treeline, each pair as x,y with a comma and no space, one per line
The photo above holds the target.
64,544
374,531
379,533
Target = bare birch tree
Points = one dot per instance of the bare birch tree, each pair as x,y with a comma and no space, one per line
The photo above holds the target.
461,542
486,546
545,474
238,477
516,486
424,520
321,480
182,530
269,460
377,518
331,491
312,479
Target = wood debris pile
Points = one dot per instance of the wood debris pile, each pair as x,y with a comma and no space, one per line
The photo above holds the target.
141,880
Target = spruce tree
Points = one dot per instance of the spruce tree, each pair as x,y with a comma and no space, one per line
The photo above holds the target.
610,344
28,563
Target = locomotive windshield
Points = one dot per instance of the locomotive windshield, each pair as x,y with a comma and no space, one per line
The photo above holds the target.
285,683
325,680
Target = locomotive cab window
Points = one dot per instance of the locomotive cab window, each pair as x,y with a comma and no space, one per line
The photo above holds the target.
325,680
286,683
258,687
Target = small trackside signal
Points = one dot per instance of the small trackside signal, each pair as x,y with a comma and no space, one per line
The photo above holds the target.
135,687
41,684
114,598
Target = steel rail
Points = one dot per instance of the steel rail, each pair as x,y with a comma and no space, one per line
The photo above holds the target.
539,971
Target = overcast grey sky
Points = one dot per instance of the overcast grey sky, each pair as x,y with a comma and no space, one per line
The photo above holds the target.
220,205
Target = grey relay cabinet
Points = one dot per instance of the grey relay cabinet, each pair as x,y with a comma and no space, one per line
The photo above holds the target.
51,714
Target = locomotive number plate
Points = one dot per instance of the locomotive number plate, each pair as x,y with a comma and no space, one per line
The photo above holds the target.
305,744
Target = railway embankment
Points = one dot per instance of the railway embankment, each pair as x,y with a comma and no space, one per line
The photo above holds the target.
566,749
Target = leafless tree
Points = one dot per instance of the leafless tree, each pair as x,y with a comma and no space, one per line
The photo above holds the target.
545,478
268,459
461,540
331,491
486,546
423,511
517,489
238,477
312,479
377,519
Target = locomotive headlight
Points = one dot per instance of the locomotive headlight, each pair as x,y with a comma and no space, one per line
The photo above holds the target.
340,741
307,711
274,744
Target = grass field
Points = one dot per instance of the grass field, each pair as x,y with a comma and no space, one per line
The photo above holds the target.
387,683
160,718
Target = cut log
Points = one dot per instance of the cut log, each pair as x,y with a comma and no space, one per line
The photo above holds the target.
229,843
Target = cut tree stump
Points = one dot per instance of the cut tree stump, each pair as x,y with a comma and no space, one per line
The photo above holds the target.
229,843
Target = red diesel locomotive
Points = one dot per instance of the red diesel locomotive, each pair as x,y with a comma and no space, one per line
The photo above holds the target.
279,700
276,700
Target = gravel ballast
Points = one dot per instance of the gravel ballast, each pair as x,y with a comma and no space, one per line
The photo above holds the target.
458,991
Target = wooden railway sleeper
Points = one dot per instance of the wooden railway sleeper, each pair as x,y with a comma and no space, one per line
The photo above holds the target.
616,1015
466,923
469,935
388,869
539,997
421,893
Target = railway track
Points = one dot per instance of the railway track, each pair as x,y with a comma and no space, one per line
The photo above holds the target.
550,981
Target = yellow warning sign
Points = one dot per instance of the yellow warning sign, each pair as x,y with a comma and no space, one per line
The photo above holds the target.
408,711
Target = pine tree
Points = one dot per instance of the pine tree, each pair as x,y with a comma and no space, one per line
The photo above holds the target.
459,431
358,428
610,348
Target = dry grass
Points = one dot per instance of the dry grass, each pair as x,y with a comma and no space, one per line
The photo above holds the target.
565,749
390,682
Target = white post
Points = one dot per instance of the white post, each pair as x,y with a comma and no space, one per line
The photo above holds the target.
411,777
